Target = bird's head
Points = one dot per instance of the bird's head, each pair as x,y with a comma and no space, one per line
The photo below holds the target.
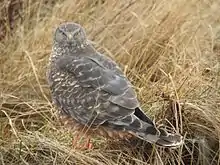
71,35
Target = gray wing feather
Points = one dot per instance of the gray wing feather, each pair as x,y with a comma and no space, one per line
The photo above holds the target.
91,73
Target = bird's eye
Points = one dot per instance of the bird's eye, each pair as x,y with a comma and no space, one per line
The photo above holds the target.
76,33
60,35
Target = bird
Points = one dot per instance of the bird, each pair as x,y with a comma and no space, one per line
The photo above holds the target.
92,93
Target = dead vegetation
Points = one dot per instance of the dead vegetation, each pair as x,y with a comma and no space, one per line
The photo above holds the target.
168,49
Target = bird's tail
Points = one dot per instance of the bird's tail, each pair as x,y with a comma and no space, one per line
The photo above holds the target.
169,140
160,137
139,125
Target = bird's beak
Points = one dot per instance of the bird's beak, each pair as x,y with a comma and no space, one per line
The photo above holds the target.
70,36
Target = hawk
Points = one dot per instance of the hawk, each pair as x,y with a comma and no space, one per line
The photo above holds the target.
92,93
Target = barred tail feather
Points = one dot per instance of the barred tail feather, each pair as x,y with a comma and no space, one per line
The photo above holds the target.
142,127
159,136
169,140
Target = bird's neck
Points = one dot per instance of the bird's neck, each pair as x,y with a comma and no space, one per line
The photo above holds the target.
58,51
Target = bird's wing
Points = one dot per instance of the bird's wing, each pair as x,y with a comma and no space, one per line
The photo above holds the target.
115,98
111,85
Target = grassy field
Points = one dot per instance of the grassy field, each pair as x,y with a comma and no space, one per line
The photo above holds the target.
170,50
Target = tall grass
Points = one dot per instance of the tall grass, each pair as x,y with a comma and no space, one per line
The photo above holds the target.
170,51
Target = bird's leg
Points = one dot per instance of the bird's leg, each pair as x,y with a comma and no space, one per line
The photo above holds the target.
77,140
88,144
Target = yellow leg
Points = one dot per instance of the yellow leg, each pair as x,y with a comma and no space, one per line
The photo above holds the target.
79,143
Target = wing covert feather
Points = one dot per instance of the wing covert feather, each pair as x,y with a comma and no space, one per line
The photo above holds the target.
91,73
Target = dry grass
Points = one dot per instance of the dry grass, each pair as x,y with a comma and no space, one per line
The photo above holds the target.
170,50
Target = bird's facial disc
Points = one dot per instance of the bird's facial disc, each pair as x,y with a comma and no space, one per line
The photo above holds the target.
71,34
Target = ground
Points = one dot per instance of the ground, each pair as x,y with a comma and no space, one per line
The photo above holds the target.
170,51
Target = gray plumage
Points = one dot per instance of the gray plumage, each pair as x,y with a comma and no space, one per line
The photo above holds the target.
91,89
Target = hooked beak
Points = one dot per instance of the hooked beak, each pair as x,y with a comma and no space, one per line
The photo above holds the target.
69,36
